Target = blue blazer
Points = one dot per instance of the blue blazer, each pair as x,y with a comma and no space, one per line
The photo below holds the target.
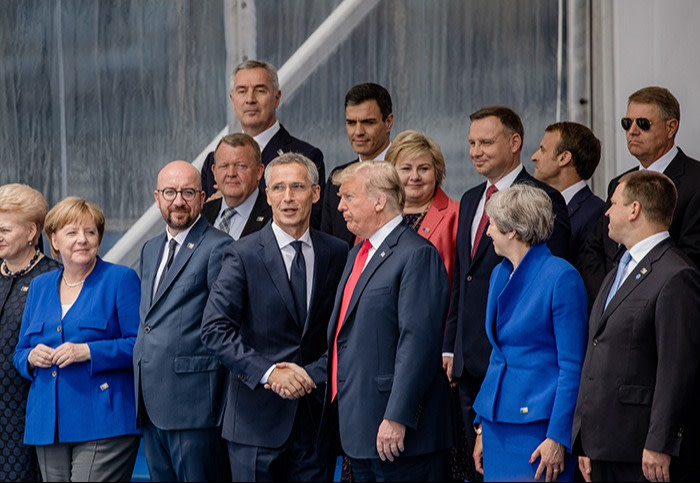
389,358
536,323
464,334
181,383
251,322
92,399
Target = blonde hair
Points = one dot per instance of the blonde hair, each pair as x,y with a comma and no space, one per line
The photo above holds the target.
73,210
380,177
414,143
26,202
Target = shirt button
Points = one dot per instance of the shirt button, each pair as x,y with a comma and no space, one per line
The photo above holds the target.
59,328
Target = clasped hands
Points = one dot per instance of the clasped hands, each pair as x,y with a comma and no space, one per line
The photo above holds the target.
289,381
62,356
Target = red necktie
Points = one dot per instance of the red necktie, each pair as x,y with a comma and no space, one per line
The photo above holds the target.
347,295
484,219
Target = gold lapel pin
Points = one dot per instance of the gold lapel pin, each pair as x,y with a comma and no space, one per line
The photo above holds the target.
24,289
259,219
426,229
190,246
643,271
280,152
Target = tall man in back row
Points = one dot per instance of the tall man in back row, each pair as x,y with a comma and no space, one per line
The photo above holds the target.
255,95
495,141
652,121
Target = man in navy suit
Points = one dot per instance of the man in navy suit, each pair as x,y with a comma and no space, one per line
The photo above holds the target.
652,121
567,157
180,386
495,141
387,397
255,95
272,303
368,122
242,209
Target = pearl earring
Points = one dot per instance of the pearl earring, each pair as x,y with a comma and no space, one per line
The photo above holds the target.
30,243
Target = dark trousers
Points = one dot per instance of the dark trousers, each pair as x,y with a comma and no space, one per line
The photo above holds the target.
468,389
615,471
185,455
296,460
430,467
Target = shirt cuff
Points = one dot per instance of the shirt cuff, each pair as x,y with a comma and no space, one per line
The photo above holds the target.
447,354
266,376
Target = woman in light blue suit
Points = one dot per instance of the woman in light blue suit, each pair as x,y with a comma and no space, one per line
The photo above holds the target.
75,346
536,322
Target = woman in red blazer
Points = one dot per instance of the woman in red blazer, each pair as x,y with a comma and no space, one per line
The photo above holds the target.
428,210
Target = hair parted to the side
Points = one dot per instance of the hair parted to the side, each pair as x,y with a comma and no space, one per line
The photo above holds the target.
655,192
293,158
26,202
523,209
379,177
73,210
412,143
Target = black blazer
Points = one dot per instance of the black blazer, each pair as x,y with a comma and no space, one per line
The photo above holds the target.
261,214
600,254
465,334
332,221
585,209
281,142
639,385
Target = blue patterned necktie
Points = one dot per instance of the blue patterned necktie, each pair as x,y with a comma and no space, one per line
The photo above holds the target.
297,279
171,255
621,267
225,223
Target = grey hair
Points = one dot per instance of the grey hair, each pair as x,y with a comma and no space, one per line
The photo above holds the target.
256,64
524,209
293,158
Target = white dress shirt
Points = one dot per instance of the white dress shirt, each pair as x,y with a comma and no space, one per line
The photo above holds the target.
239,220
662,163
180,239
641,250
571,191
502,184
264,137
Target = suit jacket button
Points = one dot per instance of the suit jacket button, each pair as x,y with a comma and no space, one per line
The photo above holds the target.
469,278
59,328
595,342
53,374
147,330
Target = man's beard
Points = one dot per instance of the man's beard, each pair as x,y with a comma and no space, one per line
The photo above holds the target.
186,223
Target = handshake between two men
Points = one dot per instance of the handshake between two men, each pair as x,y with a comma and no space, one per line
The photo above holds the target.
289,381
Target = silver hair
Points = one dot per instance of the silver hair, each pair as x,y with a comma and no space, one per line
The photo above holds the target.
524,209
256,64
293,158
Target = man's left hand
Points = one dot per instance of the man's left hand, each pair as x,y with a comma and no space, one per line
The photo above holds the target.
390,439
655,466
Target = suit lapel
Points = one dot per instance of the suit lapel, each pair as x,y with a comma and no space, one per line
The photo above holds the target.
578,200
435,214
322,259
259,216
470,211
274,264
192,241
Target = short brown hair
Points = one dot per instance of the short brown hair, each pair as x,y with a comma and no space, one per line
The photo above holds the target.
414,143
655,192
379,177
241,139
508,117
26,202
667,104
73,210
581,143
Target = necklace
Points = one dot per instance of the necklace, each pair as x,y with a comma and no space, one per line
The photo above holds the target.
19,273
73,285
416,223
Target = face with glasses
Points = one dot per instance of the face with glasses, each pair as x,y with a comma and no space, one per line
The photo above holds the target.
291,196
236,173
179,195
648,136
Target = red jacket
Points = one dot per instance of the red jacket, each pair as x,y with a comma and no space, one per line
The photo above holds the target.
440,227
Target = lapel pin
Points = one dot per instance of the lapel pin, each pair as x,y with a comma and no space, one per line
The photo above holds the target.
280,152
190,246
382,254
638,276
426,229
643,271
259,219
24,289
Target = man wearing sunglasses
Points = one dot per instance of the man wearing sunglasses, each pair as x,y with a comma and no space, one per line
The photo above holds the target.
651,123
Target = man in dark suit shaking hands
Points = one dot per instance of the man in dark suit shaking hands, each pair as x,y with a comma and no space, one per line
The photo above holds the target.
387,396
637,410
238,168
272,303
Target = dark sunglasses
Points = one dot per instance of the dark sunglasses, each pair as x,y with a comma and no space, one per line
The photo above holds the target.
642,122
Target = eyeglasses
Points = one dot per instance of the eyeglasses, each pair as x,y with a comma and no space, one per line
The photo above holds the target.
642,122
188,194
280,188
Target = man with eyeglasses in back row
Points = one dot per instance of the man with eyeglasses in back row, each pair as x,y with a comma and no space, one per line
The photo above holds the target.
651,123
180,385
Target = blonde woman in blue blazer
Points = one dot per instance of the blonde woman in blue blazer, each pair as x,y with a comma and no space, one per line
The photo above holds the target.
75,346
536,322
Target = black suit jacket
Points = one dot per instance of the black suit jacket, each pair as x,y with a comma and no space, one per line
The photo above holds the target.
332,221
465,335
639,384
600,254
585,209
250,322
282,142
261,214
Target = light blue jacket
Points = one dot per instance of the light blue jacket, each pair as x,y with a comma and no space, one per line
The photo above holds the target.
536,322
92,399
